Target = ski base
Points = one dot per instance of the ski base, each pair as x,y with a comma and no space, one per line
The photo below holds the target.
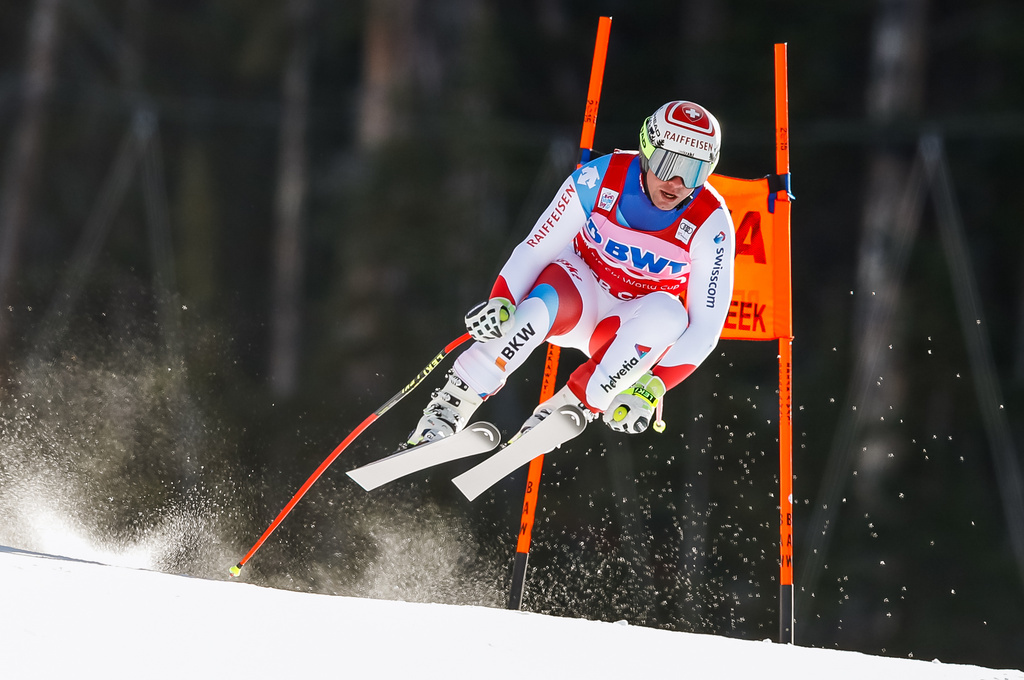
477,438
565,423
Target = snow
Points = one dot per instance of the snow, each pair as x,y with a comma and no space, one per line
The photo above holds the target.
65,617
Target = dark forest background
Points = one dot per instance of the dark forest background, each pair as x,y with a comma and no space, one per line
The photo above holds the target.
231,230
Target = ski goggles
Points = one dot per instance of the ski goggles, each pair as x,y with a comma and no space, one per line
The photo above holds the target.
668,164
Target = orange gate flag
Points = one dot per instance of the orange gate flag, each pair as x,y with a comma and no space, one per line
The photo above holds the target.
761,306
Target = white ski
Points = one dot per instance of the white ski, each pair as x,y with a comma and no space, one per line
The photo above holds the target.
475,439
559,427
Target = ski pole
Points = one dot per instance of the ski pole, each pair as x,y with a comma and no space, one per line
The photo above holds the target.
344,445
515,598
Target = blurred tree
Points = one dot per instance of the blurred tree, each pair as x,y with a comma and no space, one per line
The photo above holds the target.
390,52
23,165
891,203
197,214
292,180
131,52
894,96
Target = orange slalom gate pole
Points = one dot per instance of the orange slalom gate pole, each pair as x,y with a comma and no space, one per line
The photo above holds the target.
547,389
344,445
604,29
784,300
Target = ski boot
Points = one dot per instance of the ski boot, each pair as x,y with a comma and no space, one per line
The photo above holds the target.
449,410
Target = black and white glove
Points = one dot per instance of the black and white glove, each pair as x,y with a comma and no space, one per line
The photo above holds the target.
633,410
491,320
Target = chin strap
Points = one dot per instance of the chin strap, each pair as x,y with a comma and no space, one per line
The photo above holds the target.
686,201
643,182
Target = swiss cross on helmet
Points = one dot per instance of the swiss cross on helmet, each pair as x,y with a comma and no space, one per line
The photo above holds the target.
681,139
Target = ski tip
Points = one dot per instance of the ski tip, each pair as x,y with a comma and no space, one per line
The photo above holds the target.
469,490
235,570
357,477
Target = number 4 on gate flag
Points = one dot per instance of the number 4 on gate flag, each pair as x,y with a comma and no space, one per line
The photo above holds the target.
761,307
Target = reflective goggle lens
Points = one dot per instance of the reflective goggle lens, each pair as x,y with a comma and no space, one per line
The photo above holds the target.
667,164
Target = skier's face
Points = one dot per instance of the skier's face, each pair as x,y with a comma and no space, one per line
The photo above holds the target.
666,195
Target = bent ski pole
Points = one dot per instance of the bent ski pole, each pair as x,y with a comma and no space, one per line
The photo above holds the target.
344,445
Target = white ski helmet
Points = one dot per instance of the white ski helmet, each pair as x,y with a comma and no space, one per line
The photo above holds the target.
681,139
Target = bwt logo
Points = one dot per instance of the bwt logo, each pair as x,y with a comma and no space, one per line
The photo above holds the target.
633,255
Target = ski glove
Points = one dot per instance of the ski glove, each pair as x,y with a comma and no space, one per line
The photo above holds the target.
633,410
490,320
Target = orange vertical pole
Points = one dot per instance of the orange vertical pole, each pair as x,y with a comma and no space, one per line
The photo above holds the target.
784,330
604,29
547,388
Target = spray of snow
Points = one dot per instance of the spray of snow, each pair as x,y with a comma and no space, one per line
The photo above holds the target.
118,466
104,464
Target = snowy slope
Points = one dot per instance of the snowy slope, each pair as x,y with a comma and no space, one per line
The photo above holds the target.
69,618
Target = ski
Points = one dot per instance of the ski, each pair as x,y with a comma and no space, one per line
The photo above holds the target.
565,423
475,439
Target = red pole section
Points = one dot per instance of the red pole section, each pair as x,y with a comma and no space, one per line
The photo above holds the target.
547,390
344,445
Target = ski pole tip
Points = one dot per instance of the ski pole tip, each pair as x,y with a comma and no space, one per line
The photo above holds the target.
236,569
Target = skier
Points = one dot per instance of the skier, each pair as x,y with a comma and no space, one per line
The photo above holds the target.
605,270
